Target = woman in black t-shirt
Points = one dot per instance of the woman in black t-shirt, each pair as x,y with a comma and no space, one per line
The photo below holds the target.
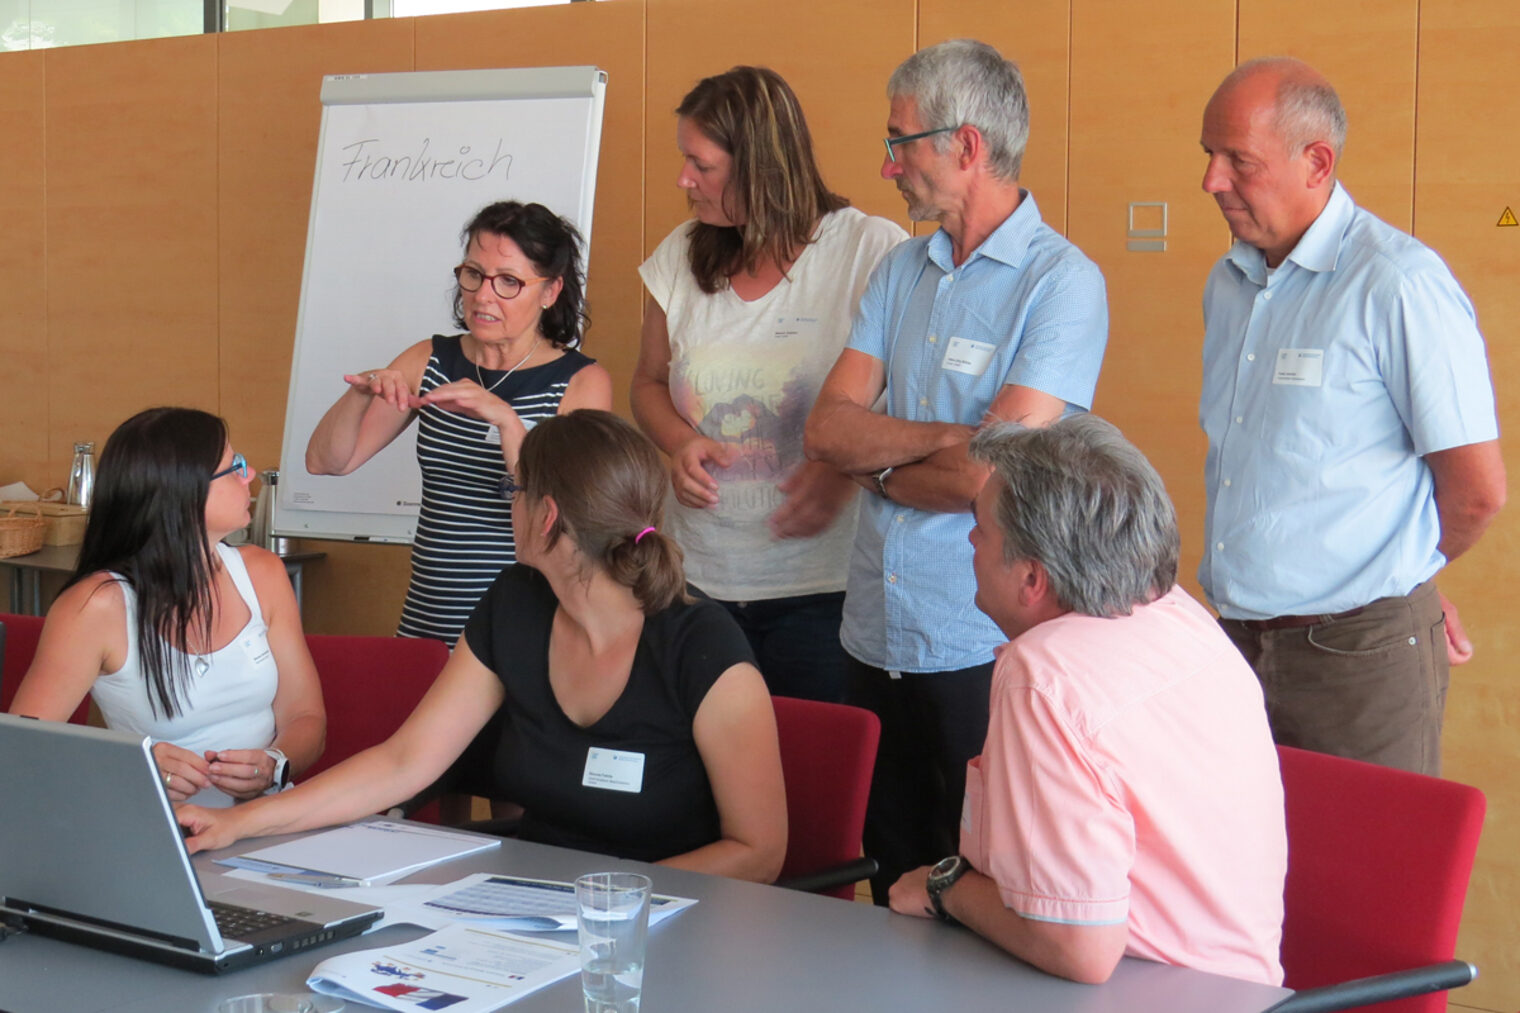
636,721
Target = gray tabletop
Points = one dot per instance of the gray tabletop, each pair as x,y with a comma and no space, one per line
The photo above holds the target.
743,949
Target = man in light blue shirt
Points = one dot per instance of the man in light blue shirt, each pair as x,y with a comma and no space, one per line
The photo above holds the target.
1352,436
993,317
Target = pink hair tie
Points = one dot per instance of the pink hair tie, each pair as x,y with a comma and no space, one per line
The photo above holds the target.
639,537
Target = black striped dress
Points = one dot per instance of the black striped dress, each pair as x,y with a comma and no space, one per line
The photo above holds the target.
464,529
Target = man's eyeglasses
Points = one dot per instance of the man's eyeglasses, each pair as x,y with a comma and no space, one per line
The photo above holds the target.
239,466
505,285
893,142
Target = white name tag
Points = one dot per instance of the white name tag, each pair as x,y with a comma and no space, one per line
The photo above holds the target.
493,435
963,355
614,770
256,646
1300,367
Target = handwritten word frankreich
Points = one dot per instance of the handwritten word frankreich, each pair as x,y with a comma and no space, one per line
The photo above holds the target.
366,162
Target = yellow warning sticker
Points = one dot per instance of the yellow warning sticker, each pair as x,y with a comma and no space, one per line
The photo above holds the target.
1508,219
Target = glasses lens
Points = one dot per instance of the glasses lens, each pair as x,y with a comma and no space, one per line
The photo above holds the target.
506,286
240,465
469,278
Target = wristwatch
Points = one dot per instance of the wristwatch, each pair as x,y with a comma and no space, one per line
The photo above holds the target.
881,480
941,878
281,769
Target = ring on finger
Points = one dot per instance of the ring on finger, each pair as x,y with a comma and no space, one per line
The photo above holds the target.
168,779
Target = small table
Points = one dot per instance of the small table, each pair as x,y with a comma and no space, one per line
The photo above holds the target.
27,571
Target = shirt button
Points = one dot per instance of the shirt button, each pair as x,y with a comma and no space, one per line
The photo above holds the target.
1218,546
1226,483
1265,295
900,518
891,578
1251,357
932,339
1240,420
923,402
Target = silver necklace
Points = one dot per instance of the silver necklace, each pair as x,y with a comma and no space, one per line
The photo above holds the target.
491,389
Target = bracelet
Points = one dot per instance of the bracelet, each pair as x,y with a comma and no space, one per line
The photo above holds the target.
881,480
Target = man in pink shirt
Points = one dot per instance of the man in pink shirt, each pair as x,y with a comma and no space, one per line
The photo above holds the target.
1127,800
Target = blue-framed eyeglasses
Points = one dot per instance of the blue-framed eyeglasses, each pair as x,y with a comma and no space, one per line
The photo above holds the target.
239,466
893,142
508,487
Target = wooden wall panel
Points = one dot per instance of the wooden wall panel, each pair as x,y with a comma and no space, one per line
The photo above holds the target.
837,57
1036,35
609,35
1135,121
23,305
1466,176
132,233
1368,51
269,111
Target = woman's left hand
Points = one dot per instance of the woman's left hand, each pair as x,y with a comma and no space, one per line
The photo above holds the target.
815,493
241,773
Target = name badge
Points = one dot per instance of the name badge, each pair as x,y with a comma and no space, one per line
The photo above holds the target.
256,646
963,355
614,770
1300,367
493,435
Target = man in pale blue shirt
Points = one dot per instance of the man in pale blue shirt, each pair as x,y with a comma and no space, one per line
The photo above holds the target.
993,317
1353,444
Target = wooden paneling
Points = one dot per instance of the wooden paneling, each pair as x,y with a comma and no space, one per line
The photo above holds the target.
1467,154
269,109
836,56
1368,50
23,305
131,233
1035,35
609,35
1136,112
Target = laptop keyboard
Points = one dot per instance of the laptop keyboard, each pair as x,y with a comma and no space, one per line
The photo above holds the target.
242,922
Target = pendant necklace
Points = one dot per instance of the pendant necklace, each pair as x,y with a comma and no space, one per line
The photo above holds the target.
491,389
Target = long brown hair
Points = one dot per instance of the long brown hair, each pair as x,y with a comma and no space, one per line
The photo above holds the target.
608,481
752,114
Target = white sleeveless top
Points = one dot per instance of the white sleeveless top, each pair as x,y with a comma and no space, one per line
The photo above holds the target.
229,700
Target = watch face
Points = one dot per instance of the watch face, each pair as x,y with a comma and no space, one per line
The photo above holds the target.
945,867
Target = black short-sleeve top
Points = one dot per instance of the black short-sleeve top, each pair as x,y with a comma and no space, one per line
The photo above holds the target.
577,785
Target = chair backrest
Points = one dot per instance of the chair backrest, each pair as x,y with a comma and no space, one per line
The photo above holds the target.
369,687
18,644
1378,864
827,753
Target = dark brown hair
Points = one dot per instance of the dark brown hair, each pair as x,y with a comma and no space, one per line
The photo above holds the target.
609,484
552,244
775,185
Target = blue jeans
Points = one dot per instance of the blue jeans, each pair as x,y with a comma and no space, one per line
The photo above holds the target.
796,643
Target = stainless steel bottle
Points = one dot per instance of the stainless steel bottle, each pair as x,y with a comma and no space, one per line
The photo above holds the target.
82,475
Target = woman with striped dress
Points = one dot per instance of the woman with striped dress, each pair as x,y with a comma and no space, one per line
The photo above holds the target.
474,396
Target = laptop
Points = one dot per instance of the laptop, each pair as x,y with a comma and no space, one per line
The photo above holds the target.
90,852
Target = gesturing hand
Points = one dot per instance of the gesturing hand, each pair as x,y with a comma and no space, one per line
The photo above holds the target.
386,384
184,773
689,476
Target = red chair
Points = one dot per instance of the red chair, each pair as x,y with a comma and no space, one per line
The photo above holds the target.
18,645
1378,864
827,753
369,687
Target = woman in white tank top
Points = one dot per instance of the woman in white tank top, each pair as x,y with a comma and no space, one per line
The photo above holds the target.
175,635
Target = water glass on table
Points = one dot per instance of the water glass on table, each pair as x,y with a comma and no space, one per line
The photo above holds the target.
613,918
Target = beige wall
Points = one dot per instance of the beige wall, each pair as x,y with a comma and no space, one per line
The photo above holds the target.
154,198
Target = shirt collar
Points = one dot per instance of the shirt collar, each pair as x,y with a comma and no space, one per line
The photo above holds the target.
1007,244
1317,250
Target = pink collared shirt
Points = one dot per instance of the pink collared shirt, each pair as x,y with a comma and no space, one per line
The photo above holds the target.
1129,776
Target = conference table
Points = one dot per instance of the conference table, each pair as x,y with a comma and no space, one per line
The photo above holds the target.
743,948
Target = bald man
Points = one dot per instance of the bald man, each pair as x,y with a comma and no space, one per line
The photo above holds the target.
1352,438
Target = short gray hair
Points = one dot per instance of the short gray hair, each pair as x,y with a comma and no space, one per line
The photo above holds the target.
1308,108
1083,502
968,82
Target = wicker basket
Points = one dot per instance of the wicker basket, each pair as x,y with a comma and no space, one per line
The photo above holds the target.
19,534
